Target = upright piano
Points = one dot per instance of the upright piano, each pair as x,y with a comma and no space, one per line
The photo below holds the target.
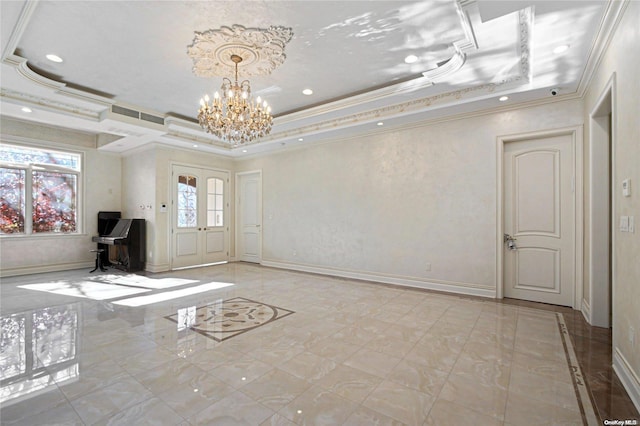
127,236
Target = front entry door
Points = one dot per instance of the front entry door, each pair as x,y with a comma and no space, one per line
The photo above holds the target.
539,213
200,227
249,217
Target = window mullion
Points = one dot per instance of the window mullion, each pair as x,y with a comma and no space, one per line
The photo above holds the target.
28,201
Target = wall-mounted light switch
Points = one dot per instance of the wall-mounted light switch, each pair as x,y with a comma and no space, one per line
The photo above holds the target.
626,187
624,223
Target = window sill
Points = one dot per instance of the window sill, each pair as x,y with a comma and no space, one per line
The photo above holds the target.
47,236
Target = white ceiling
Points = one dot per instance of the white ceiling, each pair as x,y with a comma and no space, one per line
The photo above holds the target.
351,53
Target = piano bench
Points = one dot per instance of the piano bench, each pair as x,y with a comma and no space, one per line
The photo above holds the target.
98,252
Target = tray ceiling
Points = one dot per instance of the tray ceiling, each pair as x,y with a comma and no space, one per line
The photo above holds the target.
133,54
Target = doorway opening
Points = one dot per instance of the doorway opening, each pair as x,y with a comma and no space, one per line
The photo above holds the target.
598,308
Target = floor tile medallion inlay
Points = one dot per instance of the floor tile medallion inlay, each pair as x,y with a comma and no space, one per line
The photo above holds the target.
228,318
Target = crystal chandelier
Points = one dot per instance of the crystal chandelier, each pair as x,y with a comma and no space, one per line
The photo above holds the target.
234,116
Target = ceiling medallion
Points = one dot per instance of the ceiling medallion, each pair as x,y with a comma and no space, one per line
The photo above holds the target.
261,50
233,115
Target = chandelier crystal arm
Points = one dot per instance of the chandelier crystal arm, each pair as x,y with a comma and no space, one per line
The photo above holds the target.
234,116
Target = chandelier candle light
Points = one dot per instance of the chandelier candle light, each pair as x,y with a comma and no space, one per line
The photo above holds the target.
235,116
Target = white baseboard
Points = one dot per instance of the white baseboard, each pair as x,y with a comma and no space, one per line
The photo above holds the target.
469,289
627,376
39,269
157,267
586,311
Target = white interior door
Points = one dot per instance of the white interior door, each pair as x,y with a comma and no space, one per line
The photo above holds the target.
200,215
250,217
539,213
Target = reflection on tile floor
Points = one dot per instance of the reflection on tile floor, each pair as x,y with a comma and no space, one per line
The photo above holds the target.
227,318
354,353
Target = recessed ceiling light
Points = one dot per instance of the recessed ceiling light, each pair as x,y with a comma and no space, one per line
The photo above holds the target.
380,123
503,98
195,146
54,58
561,49
244,150
300,139
307,92
410,59
26,109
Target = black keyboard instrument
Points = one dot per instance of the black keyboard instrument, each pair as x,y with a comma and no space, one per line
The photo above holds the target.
129,238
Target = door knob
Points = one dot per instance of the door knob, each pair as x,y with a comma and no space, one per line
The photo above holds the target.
511,241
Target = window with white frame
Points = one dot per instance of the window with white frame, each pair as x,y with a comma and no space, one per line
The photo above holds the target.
39,190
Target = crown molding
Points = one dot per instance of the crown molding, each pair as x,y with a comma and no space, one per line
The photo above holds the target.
610,21
18,30
49,104
397,110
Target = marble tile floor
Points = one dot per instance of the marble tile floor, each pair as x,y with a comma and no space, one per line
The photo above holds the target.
80,348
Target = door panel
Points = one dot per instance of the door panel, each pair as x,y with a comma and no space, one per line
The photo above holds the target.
215,242
250,217
214,220
537,269
537,190
200,211
186,251
251,247
187,244
539,213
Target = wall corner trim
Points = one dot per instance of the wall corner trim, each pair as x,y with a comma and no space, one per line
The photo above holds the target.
586,311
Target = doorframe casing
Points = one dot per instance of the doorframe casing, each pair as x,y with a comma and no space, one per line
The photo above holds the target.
237,211
578,192
596,311
171,209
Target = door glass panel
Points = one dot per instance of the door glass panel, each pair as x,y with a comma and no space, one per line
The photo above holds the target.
215,202
187,201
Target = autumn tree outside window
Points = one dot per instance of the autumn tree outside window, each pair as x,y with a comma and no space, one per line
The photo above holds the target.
39,190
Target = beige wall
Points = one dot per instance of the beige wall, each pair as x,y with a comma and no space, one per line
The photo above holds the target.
623,58
389,203
138,194
102,191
